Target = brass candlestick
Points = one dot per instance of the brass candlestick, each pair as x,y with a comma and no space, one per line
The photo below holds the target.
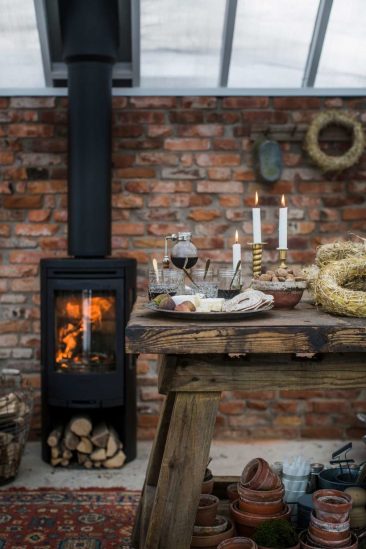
257,249
283,256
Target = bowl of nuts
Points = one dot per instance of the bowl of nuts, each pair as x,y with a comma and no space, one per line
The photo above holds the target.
285,285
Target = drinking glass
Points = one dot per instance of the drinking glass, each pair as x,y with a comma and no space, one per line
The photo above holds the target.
164,281
206,285
229,283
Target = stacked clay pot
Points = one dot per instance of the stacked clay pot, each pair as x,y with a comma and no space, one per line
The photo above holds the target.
329,522
210,529
238,543
261,496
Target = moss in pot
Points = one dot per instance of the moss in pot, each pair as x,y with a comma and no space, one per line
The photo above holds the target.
276,534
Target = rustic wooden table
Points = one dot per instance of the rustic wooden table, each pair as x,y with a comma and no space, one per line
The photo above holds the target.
196,364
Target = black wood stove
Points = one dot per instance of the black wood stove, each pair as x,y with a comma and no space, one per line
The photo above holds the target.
86,299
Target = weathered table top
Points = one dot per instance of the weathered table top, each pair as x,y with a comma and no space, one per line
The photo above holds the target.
304,329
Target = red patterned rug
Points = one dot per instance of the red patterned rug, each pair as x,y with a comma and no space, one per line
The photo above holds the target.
64,519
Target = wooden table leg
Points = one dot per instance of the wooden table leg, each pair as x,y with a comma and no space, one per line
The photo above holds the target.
182,469
152,474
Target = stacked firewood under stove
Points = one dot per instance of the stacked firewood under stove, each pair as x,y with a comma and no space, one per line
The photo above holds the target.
89,446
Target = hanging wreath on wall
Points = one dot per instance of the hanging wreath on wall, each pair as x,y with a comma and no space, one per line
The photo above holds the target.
326,162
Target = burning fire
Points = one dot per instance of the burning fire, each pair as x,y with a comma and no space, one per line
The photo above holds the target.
84,316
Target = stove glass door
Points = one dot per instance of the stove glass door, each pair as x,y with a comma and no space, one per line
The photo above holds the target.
85,331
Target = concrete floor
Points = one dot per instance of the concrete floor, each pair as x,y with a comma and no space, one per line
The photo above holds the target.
228,458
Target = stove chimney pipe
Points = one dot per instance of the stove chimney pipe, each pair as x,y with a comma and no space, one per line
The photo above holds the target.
90,43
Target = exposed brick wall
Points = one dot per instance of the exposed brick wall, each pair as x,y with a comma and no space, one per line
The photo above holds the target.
179,163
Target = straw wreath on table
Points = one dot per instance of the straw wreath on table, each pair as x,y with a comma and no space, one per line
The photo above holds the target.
338,281
326,162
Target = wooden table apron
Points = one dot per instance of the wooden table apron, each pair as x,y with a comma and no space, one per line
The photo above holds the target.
198,360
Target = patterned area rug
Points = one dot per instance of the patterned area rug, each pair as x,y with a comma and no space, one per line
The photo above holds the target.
64,519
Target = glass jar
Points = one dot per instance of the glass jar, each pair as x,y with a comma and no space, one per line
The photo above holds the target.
206,285
229,283
184,252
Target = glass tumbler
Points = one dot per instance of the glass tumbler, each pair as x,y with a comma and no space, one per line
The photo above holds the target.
206,285
164,281
229,283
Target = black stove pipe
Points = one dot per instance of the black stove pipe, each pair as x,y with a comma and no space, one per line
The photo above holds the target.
90,43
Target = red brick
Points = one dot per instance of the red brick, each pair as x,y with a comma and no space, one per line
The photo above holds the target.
296,103
219,187
4,230
171,187
201,102
204,215
200,130
140,117
134,173
46,187
32,102
232,407
30,130
230,200
161,229
128,229
287,421
158,158
186,117
22,201
200,200
137,186
329,406
245,102
36,230
153,102
158,131
354,213
186,144
128,201
257,405
16,271
147,420
39,216
225,144
219,174
218,159
320,432
6,157
128,130
123,160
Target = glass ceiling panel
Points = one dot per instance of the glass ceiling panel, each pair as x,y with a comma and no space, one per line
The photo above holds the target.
343,59
271,43
20,54
181,42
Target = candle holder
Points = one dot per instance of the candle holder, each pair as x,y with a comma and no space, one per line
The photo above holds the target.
283,256
257,250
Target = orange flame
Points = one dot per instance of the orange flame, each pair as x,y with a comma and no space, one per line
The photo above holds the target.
283,201
236,237
256,200
82,315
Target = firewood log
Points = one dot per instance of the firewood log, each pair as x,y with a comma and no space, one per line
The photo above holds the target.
82,458
55,452
112,446
98,455
66,453
65,462
56,461
97,464
85,446
81,426
54,436
70,439
5,438
88,464
115,461
6,400
100,435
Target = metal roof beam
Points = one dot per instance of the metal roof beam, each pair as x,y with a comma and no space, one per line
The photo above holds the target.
227,41
41,18
317,42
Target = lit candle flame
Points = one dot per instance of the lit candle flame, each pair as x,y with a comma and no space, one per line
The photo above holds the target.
256,199
236,237
283,201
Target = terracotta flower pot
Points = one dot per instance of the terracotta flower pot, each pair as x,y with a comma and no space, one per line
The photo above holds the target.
328,539
329,526
211,542
332,505
220,525
246,523
238,543
207,486
306,543
207,509
261,507
258,475
297,546
261,495
232,492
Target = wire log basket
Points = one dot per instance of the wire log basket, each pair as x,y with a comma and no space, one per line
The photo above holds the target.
16,405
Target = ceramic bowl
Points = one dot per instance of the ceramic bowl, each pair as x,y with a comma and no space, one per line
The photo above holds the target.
286,295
